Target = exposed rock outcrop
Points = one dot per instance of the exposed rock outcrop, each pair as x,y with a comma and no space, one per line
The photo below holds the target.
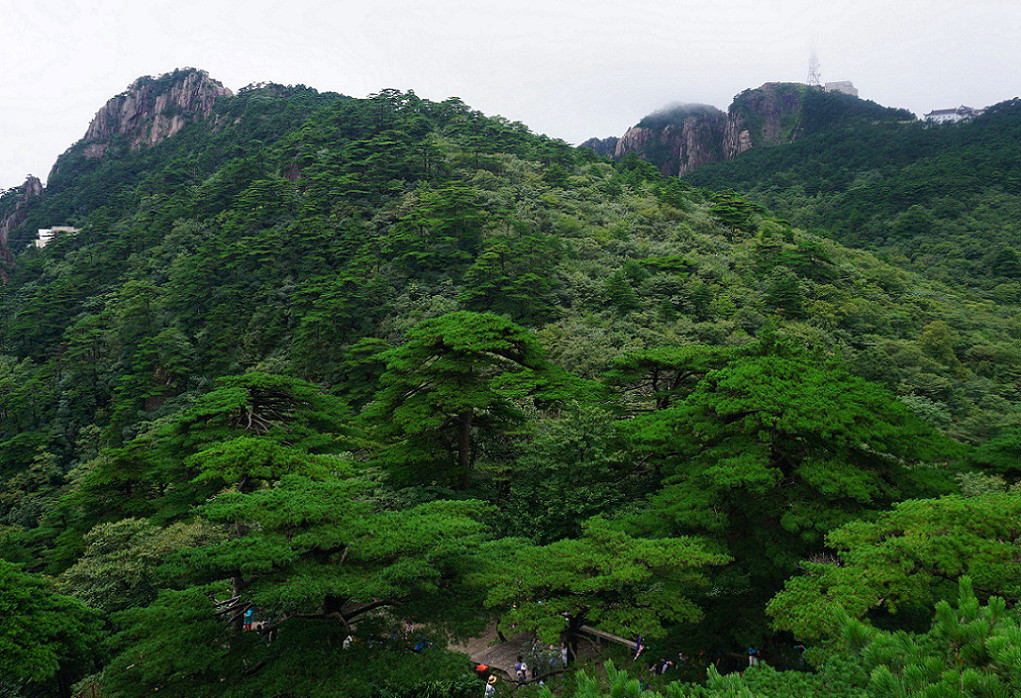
677,149
682,138
148,112
768,115
152,110
676,140
602,146
16,212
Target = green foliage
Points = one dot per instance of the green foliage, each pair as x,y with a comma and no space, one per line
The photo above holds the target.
573,468
655,377
450,688
294,536
248,428
514,275
1001,454
735,213
178,446
836,679
905,561
47,640
118,568
443,230
970,651
769,438
784,295
621,584
455,375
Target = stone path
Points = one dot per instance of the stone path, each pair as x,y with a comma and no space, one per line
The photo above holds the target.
488,649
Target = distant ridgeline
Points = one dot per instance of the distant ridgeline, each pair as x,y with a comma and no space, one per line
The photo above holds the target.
680,139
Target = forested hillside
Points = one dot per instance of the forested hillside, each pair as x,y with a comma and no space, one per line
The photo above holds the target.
325,386
941,199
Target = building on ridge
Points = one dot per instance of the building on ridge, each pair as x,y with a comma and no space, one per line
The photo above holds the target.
952,116
845,86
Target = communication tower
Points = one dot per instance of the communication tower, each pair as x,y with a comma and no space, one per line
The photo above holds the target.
814,80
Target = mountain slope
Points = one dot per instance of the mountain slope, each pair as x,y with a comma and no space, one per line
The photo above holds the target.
945,199
205,232
317,357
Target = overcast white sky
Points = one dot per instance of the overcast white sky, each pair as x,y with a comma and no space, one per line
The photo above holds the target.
567,69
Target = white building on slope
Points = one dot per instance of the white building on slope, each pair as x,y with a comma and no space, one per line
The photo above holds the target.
47,234
845,86
951,116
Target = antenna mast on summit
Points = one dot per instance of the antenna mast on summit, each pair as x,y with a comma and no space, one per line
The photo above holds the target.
813,71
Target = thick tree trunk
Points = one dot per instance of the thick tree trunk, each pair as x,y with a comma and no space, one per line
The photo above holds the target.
237,585
237,582
464,426
570,637
63,684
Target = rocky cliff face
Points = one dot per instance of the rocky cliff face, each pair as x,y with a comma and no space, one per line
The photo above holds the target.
680,139
602,146
677,149
16,212
768,115
152,110
148,112
676,140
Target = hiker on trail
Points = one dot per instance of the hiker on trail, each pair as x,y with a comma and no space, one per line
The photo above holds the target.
639,648
753,656
660,666
490,687
248,619
563,653
521,669
347,642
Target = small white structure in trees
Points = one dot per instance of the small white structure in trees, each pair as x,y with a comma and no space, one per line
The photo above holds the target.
952,116
845,86
47,234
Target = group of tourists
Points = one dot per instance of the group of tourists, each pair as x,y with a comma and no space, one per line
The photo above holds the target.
703,659
541,661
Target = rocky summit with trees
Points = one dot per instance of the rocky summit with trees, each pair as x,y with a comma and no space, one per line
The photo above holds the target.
322,397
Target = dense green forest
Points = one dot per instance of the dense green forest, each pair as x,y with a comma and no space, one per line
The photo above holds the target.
324,387
944,200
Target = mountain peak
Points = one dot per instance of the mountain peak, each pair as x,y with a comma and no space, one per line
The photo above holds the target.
152,109
12,215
